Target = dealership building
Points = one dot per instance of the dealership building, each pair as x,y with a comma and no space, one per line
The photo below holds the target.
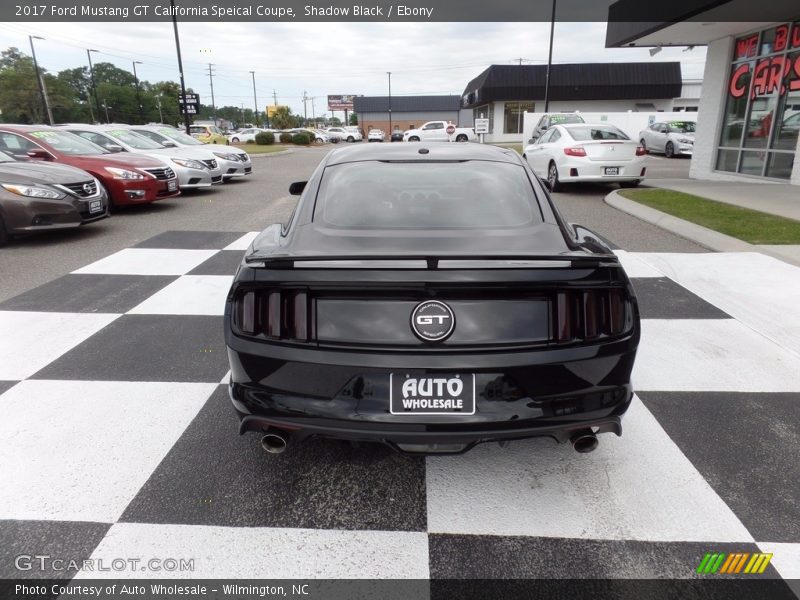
408,112
749,113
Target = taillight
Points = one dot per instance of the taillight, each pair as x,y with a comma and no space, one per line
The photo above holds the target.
275,314
641,150
588,314
575,151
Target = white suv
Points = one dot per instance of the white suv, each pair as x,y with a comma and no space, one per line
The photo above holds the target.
346,134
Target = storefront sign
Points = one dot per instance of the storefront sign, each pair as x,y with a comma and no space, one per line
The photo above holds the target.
772,74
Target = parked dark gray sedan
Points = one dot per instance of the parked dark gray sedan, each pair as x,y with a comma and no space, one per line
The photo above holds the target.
38,196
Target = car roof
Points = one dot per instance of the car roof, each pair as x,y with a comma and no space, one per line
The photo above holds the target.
25,128
412,151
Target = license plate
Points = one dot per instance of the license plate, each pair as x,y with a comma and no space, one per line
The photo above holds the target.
432,394
172,185
95,206
612,171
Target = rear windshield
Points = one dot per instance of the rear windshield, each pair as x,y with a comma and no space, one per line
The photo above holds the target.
426,195
596,132
562,119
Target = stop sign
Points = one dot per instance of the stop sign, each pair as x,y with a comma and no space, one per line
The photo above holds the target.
451,129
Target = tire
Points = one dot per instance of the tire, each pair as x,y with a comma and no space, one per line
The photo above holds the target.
413,138
461,138
235,141
643,144
351,139
669,150
552,178
4,237
111,204
629,184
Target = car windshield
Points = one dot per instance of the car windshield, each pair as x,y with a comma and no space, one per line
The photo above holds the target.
682,127
559,119
180,137
134,140
6,158
68,143
596,132
424,195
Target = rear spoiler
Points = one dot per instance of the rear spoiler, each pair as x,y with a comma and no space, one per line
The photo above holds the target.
401,261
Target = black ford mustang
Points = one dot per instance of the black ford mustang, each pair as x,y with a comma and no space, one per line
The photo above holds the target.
430,298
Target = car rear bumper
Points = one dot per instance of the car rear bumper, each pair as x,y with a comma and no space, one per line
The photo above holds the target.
585,170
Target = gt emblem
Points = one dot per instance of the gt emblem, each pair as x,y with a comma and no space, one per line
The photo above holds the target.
432,321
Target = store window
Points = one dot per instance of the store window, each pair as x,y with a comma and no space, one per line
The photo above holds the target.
514,116
762,114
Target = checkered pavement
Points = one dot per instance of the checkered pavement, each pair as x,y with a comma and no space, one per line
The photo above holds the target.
117,440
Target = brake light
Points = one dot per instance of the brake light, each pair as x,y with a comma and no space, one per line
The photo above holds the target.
590,314
641,150
575,151
274,314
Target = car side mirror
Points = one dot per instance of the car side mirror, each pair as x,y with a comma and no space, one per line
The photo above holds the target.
297,187
169,144
40,154
114,148
532,141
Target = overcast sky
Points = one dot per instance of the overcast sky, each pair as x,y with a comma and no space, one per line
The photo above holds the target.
322,59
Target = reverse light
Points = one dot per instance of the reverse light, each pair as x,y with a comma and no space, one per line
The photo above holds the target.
641,150
575,151
32,191
126,174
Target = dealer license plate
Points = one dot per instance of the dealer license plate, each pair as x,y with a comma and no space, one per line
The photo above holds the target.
441,394
612,170
172,185
95,206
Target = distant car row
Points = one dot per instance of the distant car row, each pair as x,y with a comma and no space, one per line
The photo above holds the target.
321,136
65,176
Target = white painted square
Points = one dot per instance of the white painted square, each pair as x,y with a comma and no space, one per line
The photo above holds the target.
635,267
785,559
266,553
226,378
80,450
32,340
243,243
148,261
636,487
711,355
188,295
757,290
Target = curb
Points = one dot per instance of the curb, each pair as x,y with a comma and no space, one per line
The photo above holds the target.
708,238
267,154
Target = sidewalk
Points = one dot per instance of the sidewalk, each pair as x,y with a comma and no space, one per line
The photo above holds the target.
777,199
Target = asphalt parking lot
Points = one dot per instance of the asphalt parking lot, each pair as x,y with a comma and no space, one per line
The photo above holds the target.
113,336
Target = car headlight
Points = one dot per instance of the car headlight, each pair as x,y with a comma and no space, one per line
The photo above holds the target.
189,163
685,141
226,156
124,173
33,191
244,157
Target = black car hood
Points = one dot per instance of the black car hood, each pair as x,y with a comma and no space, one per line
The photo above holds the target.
544,239
40,172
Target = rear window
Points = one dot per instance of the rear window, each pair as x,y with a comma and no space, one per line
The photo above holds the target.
563,119
426,195
597,132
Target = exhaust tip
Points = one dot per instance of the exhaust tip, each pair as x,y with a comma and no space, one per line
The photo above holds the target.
584,441
273,443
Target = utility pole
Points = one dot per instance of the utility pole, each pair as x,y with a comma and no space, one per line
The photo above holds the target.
138,96
213,104
275,98
40,79
313,111
180,66
158,103
105,105
305,108
94,83
255,99
549,61
389,73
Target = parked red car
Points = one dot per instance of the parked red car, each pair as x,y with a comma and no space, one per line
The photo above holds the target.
128,178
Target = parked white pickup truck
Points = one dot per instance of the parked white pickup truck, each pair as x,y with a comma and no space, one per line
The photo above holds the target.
440,131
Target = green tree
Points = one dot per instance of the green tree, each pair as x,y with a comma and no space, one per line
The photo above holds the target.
20,101
283,118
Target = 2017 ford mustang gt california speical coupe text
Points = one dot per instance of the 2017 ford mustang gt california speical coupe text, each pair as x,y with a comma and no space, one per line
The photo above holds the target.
430,298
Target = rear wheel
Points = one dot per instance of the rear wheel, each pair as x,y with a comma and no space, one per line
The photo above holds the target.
669,150
552,178
461,137
235,140
413,138
351,139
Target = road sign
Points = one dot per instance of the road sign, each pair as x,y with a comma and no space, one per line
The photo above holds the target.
191,104
451,129
190,99
481,125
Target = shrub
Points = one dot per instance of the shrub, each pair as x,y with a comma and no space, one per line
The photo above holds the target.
265,138
303,139
286,138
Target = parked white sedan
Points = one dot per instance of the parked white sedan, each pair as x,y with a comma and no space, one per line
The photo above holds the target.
670,138
582,152
376,135
246,135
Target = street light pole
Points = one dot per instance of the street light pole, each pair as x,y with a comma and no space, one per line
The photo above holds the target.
549,61
40,79
94,84
184,108
105,105
213,103
389,73
138,96
255,99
